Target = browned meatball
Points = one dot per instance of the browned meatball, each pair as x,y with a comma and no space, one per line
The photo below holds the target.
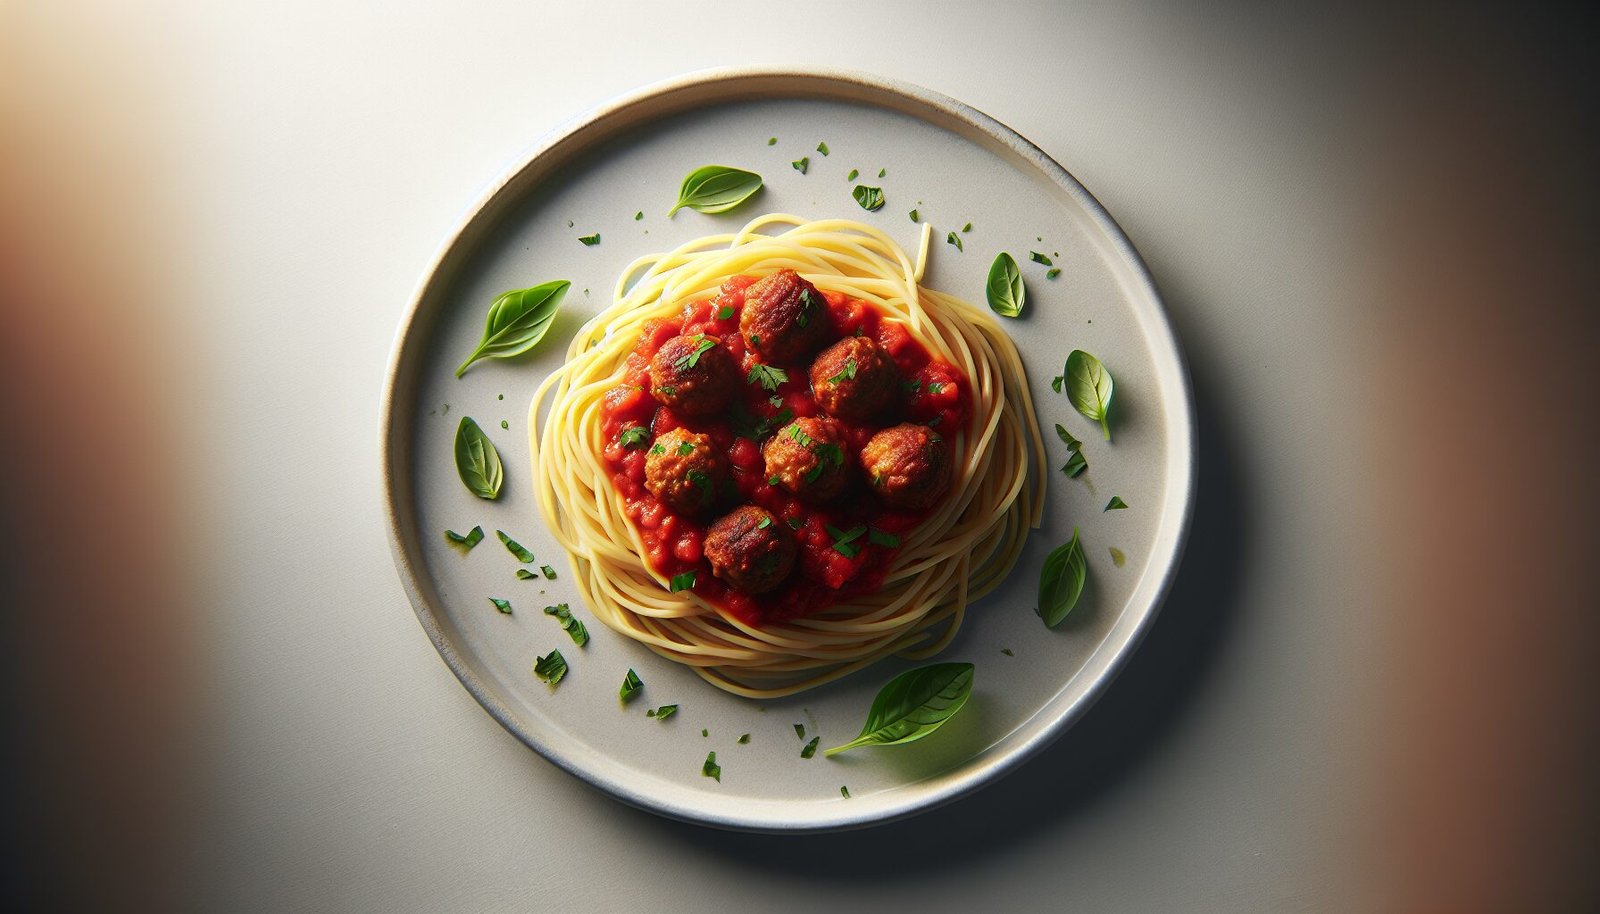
908,466
854,379
807,457
784,318
685,471
749,549
695,375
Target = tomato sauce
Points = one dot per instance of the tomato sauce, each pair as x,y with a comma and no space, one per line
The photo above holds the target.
935,393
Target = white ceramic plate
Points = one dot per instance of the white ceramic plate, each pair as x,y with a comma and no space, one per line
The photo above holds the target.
955,166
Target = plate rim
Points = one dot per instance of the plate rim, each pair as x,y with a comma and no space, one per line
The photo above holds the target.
394,437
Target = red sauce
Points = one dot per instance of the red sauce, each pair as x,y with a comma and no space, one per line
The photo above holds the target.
937,395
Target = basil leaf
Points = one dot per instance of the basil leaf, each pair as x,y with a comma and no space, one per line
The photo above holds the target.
477,461
1115,504
663,712
1066,436
518,321
1061,581
953,238
1075,464
465,543
716,189
590,241
502,605
631,685
811,747
550,668
870,198
1004,289
711,769
914,704
1089,388
515,548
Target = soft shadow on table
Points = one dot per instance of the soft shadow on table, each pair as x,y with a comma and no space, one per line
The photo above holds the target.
1128,725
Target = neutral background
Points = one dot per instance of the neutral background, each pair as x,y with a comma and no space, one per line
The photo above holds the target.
1370,691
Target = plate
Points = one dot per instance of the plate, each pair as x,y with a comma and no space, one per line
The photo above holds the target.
955,166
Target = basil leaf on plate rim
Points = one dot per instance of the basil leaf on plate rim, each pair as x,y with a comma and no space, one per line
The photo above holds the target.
477,462
716,189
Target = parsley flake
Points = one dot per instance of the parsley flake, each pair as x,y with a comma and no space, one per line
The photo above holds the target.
767,376
634,438
590,240
549,573
701,347
822,148
502,605
515,548
682,581
465,543
811,747
952,238
848,372
852,175
550,668
1116,503
1052,273
631,684
801,164
882,538
711,769
1037,257
662,713
844,540
724,312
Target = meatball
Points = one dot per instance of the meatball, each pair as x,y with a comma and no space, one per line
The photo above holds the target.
784,318
685,471
749,549
695,375
854,379
908,466
807,457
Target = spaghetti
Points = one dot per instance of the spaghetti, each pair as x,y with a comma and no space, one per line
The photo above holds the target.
957,551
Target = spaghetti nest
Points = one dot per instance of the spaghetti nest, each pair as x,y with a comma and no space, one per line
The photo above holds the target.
963,549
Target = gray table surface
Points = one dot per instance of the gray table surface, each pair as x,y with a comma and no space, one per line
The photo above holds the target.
325,150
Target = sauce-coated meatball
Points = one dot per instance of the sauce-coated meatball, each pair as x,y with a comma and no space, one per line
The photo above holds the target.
854,379
907,465
808,457
749,549
695,375
785,318
685,471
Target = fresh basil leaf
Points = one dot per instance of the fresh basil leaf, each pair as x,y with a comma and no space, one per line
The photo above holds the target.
682,581
550,668
1006,293
518,321
1066,436
502,605
549,573
465,543
1037,257
1075,464
852,175
477,462
515,548
913,705
711,769
663,712
1089,387
954,239
811,747
1115,504
801,164
524,574
1061,581
870,198
631,684
716,189
590,241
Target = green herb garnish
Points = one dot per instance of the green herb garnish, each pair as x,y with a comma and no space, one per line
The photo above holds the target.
966,228
801,164
518,321
1089,387
631,684
767,376
685,449
799,435
800,731
822,148
715,189
1115,504
870,198
663,712
848,372
515,548
548,572
682,581
1052,273
1066,436
550,668
882,172
691,359
1061,581
844,791
1037,257
465,543
477,462
913,705
772,141
711,769
954,239
763,523
1007,652
915,216
572,624
634,437
935,386
811,747
724,312
852,175
1005,291
638,216
524,574
658,449
1055,383
744,739
1075,464
504,424
882,538
1117,558
844,540
502,605
590,240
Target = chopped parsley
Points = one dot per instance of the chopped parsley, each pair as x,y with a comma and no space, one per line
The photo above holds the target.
795,523
763,523
844,540
811,747
631,684
801,164
524,574
935,386
1007,652
502,605
772,141
590,240
504,424
870,198
744,739
1037,257
829,453
711,769
667,390
799,435
704,733
682,581
848,372
639,215
800,731
685,449
852,175
882,538
570,623
844,791
767,376
515,548
465,543
1116,503
1117,558
748,426
701,481
662,713
915,217
1067,439
822,148
724,312
549,573
1075,464
634,438
952,238
1055,383
701,347
550,668
966,228
882,172
658,449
